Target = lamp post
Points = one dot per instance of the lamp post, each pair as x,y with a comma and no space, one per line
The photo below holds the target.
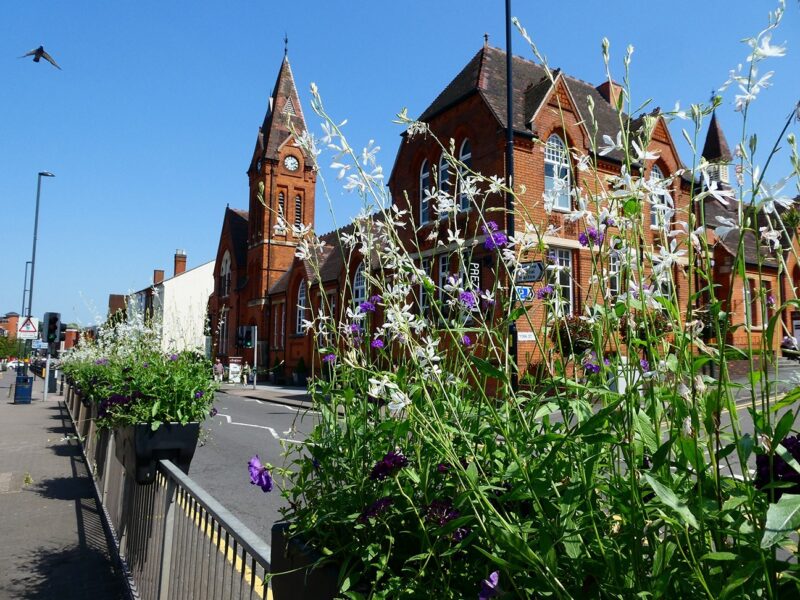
24,289
35,231
510,227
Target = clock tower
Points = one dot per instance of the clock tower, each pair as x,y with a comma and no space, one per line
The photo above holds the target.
282,181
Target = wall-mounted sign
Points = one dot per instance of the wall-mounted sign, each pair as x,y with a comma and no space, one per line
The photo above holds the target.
534,271
524,293
526,336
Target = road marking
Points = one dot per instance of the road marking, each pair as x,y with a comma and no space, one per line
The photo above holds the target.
267,427
259,585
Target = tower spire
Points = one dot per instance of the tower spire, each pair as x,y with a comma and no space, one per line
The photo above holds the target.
285,44
716,150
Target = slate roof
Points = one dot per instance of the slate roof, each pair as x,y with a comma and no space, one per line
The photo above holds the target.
485,74
716,147
284,105
238,227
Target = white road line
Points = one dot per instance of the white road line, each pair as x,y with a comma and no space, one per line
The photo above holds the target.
277,404
267,427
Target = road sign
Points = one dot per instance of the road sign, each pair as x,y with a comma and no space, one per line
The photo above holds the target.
28,329
534,271
39,345
524,293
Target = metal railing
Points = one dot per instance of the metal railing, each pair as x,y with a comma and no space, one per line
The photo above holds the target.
173,538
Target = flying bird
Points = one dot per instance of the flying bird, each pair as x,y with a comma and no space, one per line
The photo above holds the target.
40,53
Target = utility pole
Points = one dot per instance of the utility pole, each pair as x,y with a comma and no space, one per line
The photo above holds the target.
510,227
255,355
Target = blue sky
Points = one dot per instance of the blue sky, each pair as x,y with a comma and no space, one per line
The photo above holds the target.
151,124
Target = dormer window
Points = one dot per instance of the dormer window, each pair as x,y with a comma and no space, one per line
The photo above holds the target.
556,173
424,184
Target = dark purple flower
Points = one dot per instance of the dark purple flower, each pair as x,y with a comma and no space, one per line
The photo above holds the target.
583,239
110,402
366,306
259,475
441,512
101,361
466,340
199,394
145,364
645,364
355,328
609,222
489,586
442,468
377,343
490,227
770,300
468,299
459,534
213,412
173,357
375,299
544,292
591,237
495,240
590,363
375,509
329,358
388,465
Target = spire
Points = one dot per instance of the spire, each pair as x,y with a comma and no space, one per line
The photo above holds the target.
716,146
716,151
284,108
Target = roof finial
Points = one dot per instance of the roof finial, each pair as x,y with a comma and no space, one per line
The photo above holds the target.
485,40
713,95
285,44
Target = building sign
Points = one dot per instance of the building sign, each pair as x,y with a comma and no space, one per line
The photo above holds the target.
524,293
526,336
534,271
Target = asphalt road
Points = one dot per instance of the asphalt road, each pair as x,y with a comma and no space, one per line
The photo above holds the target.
244,427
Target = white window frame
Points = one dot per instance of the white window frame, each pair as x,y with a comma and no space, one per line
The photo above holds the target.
302,307
445,185
556,160
562,280
223,331
359,285
657,216
465,157
614,274
444,273
225,275
424,184
424,296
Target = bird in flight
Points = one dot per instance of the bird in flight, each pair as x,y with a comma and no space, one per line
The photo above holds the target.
40,53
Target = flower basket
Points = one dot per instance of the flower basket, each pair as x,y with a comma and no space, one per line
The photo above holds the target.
139,448
295,576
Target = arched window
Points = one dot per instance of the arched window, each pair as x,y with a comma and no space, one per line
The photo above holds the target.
225,275
661,203
424,184
556,173
465,156
298,210
302,306
444,181
359,285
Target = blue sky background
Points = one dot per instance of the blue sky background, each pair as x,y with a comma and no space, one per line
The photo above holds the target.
151,124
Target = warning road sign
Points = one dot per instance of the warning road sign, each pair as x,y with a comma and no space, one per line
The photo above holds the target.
28,329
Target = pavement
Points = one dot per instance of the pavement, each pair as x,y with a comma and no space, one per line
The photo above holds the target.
54,544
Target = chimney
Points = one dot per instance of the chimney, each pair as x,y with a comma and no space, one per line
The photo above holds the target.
180,262
611,91
158,276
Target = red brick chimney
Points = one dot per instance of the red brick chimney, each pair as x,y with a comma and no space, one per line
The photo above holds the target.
180,262
611,91
158,276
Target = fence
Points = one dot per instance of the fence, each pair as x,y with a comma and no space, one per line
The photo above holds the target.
174,539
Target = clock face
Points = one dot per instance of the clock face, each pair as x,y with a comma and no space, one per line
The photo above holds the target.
291,163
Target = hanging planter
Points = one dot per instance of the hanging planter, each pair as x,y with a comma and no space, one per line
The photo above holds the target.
295,576
139,448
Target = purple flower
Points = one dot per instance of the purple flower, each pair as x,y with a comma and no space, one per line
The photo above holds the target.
489,586
589,364
468,299
494,239
770,300
329,358
388,465
466,340
355,328
259,475
145,364
442,468
199,394
441,512
490,227
173,357
213,412
609,222
645,364
375,299
591,237
101,361
375,509
366,306
110,402
583,239
377,343
544,292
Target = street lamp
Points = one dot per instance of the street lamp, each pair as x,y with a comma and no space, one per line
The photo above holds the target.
24,289
35,231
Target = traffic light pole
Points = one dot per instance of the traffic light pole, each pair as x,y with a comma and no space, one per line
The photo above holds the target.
47,373
255,355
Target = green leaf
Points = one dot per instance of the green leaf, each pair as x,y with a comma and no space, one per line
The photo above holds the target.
155,425
783,427
782,518
154,409
719,556
668,497
631,208
644,426
487,368
472,473
781,451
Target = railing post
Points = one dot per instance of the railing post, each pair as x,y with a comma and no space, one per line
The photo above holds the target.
166,540
107,466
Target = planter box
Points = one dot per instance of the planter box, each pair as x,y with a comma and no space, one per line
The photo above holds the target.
297,580
139,448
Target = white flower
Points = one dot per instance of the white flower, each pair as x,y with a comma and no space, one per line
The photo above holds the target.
398,401
765,49
610,144
643,154
770,196
772,237
725,226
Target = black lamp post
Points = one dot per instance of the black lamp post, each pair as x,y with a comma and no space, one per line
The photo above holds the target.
35,232
510,230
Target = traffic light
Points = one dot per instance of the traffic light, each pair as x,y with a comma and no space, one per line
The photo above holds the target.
244,336
62,332
52,327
